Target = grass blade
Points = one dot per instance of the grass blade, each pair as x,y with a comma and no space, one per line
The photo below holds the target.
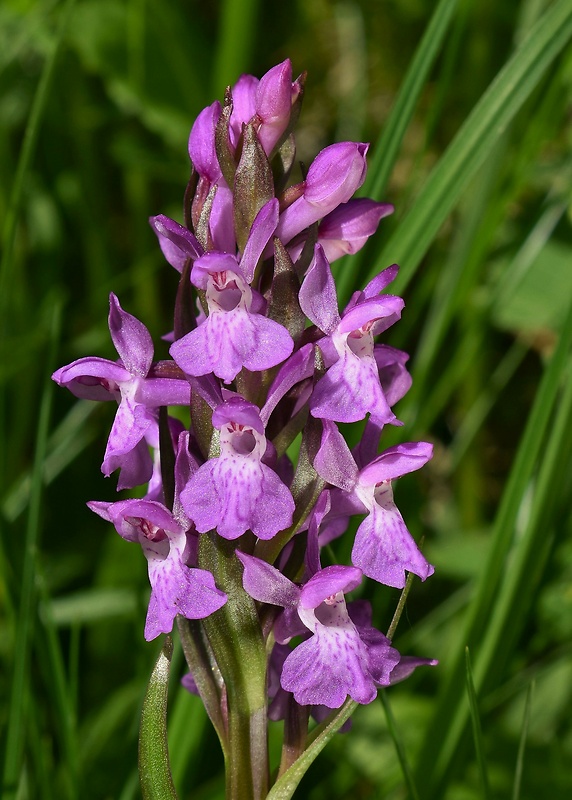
522,744
496,610
26,155
477,730
235,43
388,145
472,144
27,610
399,747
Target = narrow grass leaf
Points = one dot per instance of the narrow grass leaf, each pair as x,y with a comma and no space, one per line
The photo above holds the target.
27,610
235,42
472,144
58,686
495,613
387,147
399,746
26,155
522,744
285,786
477,730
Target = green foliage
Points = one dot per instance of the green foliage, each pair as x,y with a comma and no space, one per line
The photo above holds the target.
466,104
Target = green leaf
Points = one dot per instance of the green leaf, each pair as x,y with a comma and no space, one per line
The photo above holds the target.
399,746
472,144
285,786
522,744
477,730
388,145
506,585
28,603
154,768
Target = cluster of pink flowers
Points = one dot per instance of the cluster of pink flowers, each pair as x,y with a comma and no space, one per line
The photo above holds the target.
262,357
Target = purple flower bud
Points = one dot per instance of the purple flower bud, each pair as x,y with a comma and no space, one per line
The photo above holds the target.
202,143
334,175
275,95
177,242
346,229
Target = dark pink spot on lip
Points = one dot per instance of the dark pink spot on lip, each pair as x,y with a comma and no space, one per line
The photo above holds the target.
146,528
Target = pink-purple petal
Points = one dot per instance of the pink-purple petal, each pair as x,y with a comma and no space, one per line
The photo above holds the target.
327,582
131,338
328,667
395,462
317,296
349,390
266,584
384,549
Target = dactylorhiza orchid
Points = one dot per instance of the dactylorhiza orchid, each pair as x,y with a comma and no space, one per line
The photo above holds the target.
238,502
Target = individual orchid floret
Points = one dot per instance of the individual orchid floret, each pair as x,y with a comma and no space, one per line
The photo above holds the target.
236,491
335,662
175,587
334,175
351,387
383,548
235,333
132,382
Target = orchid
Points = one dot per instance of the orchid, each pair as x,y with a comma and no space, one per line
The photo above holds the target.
232,492
138,386
235,333
251,478
175,587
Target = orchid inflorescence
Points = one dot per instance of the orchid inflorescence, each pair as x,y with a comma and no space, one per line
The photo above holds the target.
266,364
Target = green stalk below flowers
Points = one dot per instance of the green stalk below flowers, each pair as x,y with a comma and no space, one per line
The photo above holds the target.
236,639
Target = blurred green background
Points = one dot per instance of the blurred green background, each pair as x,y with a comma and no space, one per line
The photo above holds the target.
97,98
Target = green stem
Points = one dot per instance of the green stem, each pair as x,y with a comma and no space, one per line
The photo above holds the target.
235,635
206,675
154,768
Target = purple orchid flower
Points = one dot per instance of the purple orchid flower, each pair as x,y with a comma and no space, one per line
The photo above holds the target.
334,175
137,387
175,587
237,492
351,387
236,333
335,661
383,548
